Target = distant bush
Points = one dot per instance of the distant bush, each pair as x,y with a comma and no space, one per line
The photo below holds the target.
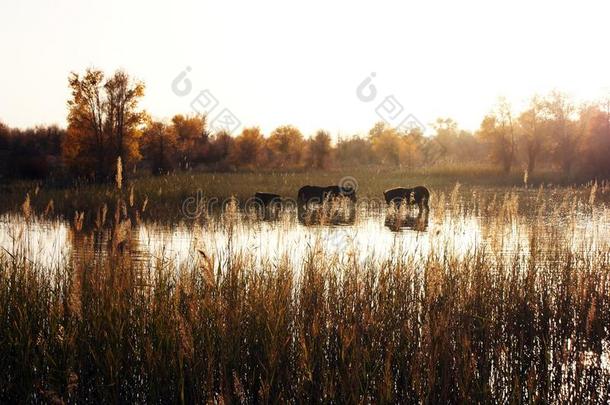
33,153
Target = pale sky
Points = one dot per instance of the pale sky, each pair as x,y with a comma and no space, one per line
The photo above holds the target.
286,62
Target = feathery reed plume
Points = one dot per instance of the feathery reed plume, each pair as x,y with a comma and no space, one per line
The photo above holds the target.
593,193
119,173
79,218
121,233
26,207
185,338
49,208
455,195
131,197
440,205
144,204
74,306
100,218
207,268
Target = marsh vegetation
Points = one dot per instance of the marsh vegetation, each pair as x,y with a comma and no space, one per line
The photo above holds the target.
499,295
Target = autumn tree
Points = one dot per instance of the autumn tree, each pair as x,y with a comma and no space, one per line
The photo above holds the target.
221,146
103,123
319,149
247,149
411,144
354,151
563,133
498,129
385,143
285,145
450,144
123,118
532,127
394,147
594,122
159,146
192,139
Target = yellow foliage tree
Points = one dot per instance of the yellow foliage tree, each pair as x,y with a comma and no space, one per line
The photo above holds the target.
104,123
386,144
191,139
319,150
247,149
286,146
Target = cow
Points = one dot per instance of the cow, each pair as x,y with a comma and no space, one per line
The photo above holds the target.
267,199
269,204
308,196
417,195
317,194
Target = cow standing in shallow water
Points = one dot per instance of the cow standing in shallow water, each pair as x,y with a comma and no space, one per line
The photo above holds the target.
268,204
317,194
267,199
417,195
312,208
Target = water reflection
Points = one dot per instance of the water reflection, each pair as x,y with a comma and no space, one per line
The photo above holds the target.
289,235
325,216
397,223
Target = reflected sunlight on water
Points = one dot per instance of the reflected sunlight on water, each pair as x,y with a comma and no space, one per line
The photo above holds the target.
374,235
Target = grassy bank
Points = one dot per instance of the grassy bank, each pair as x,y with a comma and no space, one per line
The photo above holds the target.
165,195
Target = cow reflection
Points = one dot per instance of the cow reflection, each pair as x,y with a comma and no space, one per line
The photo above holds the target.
334,212
397,222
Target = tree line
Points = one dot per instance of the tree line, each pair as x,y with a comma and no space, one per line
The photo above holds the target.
105,122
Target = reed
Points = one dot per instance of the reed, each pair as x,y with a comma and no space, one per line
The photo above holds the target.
443,328
167,193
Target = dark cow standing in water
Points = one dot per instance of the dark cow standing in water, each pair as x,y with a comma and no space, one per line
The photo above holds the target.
417,195
267,199
267,204
317,194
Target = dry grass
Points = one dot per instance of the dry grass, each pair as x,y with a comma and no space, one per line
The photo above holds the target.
448,328
166,194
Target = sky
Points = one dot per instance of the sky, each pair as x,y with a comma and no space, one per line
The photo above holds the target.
272,63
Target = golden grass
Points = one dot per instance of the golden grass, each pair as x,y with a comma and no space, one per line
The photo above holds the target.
446,328
166,194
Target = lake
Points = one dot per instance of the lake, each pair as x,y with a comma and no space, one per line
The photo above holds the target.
502,222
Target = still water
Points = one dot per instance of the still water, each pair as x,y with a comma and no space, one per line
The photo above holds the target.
506,225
